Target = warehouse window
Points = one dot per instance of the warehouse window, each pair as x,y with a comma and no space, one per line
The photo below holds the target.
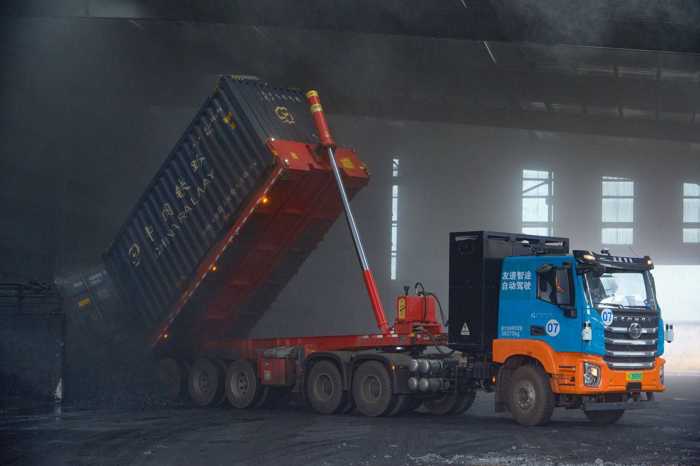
394,217
538,205
618,210
691,213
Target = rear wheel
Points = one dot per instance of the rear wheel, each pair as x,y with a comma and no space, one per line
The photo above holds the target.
243,388
446,403
469,398
530,397
206,382
325,388
372,389
173,374
605,417
403,402
414,404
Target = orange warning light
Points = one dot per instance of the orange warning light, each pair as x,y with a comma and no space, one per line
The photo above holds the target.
265,199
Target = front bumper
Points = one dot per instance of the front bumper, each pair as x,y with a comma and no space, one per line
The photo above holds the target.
569,377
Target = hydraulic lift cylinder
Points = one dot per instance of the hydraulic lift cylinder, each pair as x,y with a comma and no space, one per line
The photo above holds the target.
329,145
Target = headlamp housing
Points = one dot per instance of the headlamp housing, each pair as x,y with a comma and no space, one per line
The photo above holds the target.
591,375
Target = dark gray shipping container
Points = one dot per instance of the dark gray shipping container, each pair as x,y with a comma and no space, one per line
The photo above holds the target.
200,190
96,310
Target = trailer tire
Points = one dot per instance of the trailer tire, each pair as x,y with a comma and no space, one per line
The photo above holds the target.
264,397
173,374
530,397
445,404
206,382
372,389
324,388
243,388
605,417
467,403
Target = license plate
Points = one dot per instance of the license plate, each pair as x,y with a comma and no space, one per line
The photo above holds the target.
634,376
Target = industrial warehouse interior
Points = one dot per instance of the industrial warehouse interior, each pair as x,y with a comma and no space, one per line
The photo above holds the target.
342,232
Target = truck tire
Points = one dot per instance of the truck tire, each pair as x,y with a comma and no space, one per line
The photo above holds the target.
243,388
206,382
264,397
605,417
445,404
324,388
414,404
469,398
403,402
372,389
530,397
173,374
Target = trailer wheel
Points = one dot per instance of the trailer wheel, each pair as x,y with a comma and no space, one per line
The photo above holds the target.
264,397
243,388
467,403
206,382
605,417
324,388
445,404
173,374
372,389
530,397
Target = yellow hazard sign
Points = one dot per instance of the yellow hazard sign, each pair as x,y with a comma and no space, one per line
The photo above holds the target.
347,163
402,308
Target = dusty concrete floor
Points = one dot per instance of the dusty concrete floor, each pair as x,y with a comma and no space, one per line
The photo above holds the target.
298,436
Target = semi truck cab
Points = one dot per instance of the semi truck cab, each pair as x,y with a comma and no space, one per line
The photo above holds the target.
589,324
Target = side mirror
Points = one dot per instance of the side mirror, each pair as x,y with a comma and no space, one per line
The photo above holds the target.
599,270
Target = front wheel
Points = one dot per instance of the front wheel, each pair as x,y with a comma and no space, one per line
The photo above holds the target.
530,397
605,417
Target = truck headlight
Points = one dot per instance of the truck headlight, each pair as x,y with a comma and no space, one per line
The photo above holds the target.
591,375
661,375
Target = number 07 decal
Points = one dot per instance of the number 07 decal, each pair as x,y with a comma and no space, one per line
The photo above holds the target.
552,328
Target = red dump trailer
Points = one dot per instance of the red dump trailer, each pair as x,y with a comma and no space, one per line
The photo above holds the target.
244,197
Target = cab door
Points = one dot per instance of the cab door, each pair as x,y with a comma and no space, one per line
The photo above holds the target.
554,314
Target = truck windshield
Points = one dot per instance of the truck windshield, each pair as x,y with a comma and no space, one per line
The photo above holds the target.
619,289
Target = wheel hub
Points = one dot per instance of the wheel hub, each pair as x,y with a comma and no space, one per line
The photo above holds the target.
323,388
373,388
202,382
525,396
240,383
